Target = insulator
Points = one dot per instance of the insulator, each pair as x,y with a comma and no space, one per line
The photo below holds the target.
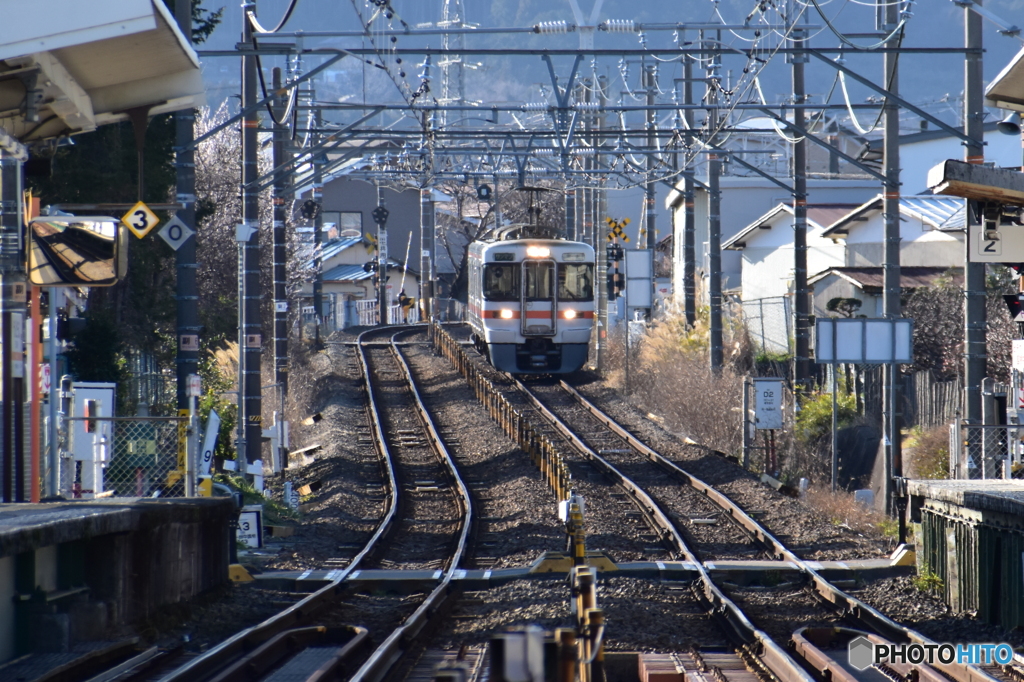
544,151
618,26
535,106
551,27
586,106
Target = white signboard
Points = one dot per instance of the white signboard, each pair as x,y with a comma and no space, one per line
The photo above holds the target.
1002,245
175,232
863,340
1018,355
209,443
768,394
250,526
639,278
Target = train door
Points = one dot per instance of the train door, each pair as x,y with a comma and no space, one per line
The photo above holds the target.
538,304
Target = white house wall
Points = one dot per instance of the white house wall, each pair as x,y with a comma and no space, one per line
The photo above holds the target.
918,157
768,258
865,245
744,200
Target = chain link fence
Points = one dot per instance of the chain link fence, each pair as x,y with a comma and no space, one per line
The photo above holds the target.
123,457
982,452
770,323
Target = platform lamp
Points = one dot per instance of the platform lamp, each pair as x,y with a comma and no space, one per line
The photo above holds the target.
1011,125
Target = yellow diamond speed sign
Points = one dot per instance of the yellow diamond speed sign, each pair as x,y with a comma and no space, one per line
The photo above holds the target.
140,220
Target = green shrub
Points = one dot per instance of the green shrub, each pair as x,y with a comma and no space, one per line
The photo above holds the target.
814,421
927,582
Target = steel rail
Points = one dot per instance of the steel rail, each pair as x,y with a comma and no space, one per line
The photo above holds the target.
400,640
867,615
302,611
774,656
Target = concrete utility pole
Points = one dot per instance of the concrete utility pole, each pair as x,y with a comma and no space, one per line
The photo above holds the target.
891,307
13,299
593,230
250,413
651,76
801,291
187,293
714,220
318,225
427,255
689,228
974,282
282,202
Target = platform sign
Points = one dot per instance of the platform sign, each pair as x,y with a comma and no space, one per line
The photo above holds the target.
175,233
140,219
768,395
1002,245
250,526
209,443
863,340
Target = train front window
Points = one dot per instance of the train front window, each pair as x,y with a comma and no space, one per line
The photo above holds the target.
539,280
576,282
501,282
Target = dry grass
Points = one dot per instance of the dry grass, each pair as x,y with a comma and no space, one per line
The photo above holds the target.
842,510
226,361
670,376
926,454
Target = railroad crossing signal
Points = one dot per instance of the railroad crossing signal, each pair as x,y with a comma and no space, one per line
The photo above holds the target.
140,220
371,243
616,231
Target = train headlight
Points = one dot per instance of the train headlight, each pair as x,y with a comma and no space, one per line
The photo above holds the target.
570,314
538,251
506,314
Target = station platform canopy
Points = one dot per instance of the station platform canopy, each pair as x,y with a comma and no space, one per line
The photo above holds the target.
67,66
1006,90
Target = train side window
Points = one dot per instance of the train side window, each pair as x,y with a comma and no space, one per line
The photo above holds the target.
576,282
501,282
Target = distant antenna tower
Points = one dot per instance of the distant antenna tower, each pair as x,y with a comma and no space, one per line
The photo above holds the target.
453,80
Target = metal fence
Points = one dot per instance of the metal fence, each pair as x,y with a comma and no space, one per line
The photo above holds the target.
770,323
123,457
982,452
368,314
148,383
446,309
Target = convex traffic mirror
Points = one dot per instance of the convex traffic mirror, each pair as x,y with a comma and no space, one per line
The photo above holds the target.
76,251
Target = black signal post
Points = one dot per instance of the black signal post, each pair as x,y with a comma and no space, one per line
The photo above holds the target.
380,217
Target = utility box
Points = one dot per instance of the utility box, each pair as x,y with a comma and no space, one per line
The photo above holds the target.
972,537
91,437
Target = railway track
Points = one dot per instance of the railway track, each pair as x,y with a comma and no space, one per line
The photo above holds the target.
639,459
310,640
426,529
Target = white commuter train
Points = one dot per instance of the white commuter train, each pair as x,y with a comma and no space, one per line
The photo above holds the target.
531,303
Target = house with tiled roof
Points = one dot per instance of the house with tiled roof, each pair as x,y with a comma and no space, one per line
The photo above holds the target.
845,249
766,249
348,277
